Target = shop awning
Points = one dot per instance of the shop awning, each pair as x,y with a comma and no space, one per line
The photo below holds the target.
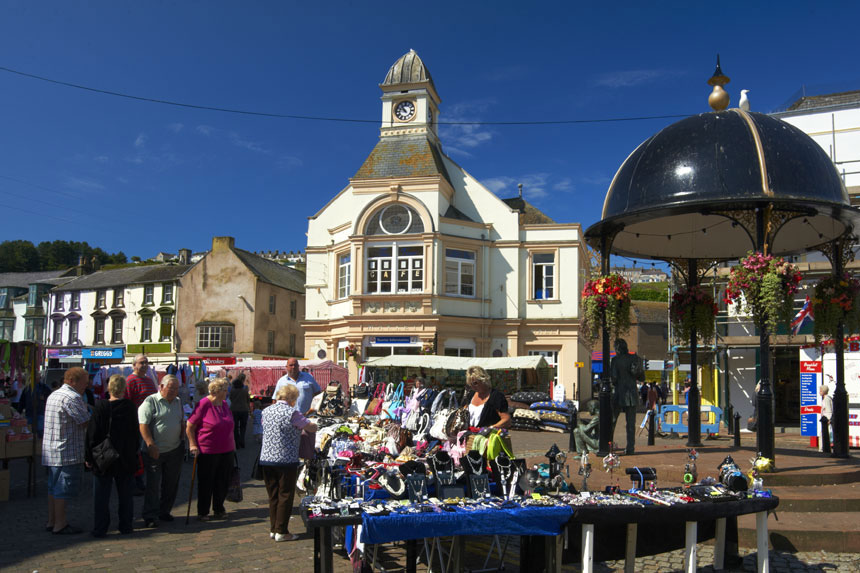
457,362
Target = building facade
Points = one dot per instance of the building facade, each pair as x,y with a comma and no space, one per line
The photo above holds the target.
415,256
235,302
23,303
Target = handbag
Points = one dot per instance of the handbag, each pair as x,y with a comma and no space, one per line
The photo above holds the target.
375,404
444,404
458,420
257,469
393,408
104,454
362,391
234,491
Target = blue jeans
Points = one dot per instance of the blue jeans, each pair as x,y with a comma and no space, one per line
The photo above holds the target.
162,482
101,502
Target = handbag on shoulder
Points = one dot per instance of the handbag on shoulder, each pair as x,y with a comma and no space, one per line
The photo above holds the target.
104,454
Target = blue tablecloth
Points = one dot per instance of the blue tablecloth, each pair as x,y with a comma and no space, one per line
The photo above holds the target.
519,521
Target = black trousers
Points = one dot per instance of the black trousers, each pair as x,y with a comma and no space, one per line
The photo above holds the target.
281,487
240,424
213,479
630,419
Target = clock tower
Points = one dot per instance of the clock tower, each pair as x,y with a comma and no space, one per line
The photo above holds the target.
410,104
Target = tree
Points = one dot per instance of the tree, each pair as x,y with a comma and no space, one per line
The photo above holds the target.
18,256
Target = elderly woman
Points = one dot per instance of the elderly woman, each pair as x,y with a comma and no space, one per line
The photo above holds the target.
282,427
487,407
210,436
116,418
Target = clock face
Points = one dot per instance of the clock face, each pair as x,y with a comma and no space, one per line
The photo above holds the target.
404,110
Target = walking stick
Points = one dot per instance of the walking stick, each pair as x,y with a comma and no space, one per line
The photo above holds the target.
191,489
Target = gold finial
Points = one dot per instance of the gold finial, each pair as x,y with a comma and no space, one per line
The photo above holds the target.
719,98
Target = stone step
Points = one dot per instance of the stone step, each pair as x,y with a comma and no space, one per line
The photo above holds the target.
801,531
822,499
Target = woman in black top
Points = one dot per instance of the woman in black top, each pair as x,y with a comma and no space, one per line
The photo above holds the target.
487,407
117,416
240,406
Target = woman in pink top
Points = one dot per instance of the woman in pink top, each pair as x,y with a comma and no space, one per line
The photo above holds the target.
210,438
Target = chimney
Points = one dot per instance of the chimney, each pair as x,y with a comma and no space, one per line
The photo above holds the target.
222,243
184,256
95,264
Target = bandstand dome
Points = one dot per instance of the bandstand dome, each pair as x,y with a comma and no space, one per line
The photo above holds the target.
692,191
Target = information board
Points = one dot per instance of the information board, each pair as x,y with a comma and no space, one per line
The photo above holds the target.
810,379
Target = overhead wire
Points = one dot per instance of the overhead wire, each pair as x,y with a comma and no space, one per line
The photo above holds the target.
321,118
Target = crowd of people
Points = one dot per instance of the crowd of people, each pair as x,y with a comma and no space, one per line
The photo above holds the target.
135,442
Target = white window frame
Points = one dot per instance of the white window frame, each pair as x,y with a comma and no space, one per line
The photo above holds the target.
33,296
4,299
75,303
59,303
7,328
395,264
344,275
148,295
101,298
342,356
459,347
551,357
146,328
215,337
457,265
539,283
167,293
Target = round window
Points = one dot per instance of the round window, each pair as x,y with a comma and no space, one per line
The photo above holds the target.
395,219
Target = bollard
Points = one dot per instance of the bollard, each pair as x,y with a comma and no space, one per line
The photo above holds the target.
737,430
651,426
571,444
825,435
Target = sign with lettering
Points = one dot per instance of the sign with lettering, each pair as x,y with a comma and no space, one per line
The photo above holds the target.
392,340
103,353
810,379
212,360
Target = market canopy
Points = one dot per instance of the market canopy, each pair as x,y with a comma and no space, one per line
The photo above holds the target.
458,362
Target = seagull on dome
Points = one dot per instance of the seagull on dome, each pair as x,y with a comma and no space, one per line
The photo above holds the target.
744,103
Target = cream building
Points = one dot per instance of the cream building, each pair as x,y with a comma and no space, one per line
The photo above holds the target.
415,255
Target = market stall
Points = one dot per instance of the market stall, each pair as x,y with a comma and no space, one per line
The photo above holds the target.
261,376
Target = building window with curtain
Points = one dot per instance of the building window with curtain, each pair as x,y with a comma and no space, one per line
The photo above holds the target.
119,297
101,298
33,297
344,275
7,328
166,334
76,300
34,329
4,300
459,272
543,276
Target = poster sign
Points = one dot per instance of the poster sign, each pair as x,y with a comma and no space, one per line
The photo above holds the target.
212,360
810,379
103,353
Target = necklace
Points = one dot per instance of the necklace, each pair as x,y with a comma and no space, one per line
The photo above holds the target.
393,484
477,467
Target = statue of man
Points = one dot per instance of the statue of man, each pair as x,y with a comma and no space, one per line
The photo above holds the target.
624,370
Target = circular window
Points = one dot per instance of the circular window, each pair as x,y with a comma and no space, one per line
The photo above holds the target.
395,219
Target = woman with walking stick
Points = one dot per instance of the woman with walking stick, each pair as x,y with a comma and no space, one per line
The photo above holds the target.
210,438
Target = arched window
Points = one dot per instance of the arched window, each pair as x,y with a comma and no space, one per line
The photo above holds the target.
394,219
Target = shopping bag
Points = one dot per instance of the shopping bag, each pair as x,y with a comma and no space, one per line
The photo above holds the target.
234,490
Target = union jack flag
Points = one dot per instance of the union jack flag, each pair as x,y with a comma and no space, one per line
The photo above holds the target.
802,315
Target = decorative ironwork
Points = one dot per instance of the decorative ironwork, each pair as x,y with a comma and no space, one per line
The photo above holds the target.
681,266
845,245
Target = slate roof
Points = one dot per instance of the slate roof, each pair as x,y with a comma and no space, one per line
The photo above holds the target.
272,272
23,280
827,100
126,276
531,214
403,156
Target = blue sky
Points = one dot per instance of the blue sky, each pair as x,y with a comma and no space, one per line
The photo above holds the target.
144,177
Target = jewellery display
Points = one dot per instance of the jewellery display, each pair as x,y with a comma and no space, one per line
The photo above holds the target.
474,463
443,467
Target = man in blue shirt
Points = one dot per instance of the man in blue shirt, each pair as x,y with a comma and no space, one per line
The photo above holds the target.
308,387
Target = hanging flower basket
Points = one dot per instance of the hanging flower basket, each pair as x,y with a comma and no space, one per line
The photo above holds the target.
427,349
836,299
693,306
353,351
764,285
610,295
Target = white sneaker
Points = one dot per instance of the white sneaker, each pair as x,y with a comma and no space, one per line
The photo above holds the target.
271,535
286,536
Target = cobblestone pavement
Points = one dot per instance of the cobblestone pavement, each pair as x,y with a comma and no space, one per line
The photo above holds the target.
243,544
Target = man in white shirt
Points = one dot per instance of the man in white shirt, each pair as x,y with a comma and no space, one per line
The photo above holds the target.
308,387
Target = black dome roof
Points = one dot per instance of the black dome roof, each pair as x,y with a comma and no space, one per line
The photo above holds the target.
681,193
